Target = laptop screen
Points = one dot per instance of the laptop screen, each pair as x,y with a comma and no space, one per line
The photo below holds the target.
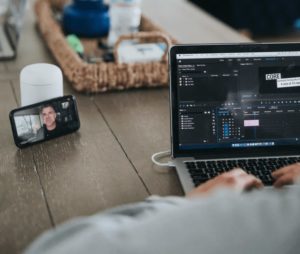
236,101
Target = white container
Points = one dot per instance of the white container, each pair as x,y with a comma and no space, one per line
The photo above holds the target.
125,18
39,82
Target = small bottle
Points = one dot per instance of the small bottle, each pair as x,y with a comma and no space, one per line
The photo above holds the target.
125,18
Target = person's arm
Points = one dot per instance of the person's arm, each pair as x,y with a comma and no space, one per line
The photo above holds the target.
102,230
221,222
118,230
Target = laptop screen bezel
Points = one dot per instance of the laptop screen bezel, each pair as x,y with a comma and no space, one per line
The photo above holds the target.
221,152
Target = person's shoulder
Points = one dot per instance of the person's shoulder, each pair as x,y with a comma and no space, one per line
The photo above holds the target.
59,126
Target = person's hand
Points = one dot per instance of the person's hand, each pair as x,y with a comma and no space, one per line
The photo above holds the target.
236,179
286,175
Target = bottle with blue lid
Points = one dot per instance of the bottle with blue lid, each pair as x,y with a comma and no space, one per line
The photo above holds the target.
86,18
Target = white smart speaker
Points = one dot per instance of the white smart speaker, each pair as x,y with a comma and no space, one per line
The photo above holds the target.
40,82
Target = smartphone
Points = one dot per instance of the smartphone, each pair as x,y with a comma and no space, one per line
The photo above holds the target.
44,120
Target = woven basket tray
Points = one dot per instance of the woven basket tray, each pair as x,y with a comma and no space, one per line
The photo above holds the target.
103,76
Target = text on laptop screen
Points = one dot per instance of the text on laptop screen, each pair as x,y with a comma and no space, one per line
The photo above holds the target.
238,100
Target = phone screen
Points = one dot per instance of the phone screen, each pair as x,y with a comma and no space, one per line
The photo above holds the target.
45,120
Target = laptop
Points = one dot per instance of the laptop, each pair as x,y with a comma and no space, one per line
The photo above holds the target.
234,105
10,26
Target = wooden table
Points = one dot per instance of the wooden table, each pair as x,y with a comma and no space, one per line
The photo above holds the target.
106,163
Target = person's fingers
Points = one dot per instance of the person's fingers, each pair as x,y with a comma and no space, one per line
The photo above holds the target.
235,172
253,183
247,182
239,180
282,171
236,179
285,170
227,179
284,180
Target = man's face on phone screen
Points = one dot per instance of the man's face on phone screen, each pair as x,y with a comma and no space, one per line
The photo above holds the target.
49,118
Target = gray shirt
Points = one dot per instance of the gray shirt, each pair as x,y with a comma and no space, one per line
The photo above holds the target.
226,222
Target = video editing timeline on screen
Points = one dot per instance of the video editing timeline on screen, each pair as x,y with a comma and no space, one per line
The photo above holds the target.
243,102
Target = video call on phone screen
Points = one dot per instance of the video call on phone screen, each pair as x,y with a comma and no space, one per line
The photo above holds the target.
46,121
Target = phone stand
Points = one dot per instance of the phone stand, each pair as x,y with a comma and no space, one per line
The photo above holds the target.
39,82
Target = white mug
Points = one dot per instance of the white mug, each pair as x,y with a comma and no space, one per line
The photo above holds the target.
39,82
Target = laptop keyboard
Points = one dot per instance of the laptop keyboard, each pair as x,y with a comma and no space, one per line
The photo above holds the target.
202,171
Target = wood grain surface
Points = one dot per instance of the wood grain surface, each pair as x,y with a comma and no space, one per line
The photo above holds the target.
23,211
2,67
141,123
87,171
